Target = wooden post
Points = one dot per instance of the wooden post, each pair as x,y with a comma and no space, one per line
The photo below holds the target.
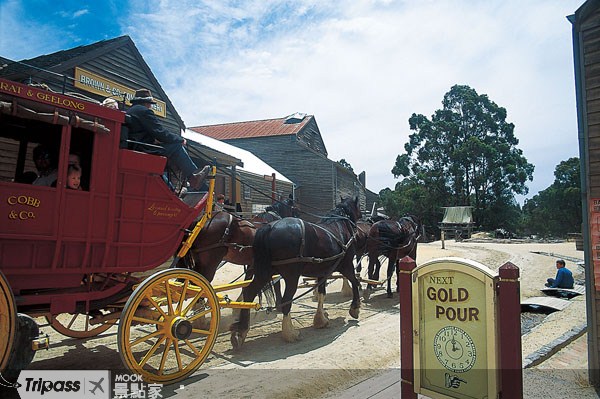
273,189
407,376
509,319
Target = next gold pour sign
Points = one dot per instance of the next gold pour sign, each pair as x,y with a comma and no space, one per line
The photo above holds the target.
454,329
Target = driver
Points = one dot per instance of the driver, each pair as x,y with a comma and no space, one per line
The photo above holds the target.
144,127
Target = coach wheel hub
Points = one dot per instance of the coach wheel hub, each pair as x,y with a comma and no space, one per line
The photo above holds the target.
181,328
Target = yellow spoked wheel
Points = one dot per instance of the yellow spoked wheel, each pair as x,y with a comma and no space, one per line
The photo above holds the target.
169,325
8,319
77,325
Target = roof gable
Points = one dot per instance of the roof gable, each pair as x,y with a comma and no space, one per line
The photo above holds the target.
62,62
64,59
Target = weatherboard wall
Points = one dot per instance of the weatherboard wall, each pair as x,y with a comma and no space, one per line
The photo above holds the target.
319,183
586,50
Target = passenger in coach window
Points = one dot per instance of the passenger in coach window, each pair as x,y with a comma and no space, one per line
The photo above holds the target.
74,177
45,163
74,159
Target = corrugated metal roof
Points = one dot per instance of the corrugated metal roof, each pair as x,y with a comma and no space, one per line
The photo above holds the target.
261,128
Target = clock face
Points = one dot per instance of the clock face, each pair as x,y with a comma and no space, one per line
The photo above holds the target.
454,349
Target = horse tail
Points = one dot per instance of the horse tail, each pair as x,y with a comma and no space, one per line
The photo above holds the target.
262,253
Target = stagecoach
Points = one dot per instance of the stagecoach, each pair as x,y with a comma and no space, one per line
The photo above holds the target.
85,259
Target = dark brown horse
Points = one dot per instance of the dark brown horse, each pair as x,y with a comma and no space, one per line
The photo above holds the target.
223,237
292,248
228,237
395,240
279,210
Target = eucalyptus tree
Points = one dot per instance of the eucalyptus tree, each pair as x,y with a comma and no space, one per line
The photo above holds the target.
468,151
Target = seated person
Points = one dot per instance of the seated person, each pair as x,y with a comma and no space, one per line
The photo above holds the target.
145,127
110,103
564,277
74,177
46,166
26,177
74,159
220,204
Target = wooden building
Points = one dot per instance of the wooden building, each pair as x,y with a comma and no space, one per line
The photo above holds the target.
294,146
252,183
586,50
108,68
115,69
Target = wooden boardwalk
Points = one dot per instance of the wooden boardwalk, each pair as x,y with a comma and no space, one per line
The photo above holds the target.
383,386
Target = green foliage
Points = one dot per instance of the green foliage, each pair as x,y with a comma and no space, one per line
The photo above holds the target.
346,165
465,155
556,210
411,197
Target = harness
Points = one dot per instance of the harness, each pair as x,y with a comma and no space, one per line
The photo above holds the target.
227,234
413,238
312,259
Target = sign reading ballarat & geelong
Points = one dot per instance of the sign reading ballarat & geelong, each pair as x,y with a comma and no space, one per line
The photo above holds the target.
455,345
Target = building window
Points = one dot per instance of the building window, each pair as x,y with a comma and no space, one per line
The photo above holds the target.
247,192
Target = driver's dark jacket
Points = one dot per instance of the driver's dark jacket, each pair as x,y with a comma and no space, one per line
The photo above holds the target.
144,126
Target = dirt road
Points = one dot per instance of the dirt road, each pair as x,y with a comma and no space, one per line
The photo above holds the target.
325,360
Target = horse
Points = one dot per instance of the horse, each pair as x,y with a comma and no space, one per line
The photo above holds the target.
395,240
223,237
228,237
279,210
292,248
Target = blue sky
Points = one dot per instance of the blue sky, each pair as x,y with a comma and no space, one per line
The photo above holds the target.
361,67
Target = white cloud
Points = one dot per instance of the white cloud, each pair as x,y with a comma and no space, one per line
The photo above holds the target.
79,13
362,68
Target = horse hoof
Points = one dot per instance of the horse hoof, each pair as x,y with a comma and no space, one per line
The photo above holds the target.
237,339
354,312
291,337
321,320
366,294
288,331
390,295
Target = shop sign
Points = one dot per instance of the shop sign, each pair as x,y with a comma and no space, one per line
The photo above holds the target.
94,83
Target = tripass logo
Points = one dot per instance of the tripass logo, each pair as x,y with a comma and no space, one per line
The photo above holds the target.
50,384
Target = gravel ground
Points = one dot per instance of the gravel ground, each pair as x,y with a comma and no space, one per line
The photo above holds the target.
330,360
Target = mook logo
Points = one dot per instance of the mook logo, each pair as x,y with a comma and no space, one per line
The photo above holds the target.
50,384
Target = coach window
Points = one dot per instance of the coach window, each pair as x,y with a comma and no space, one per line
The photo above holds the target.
81,149
18,138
